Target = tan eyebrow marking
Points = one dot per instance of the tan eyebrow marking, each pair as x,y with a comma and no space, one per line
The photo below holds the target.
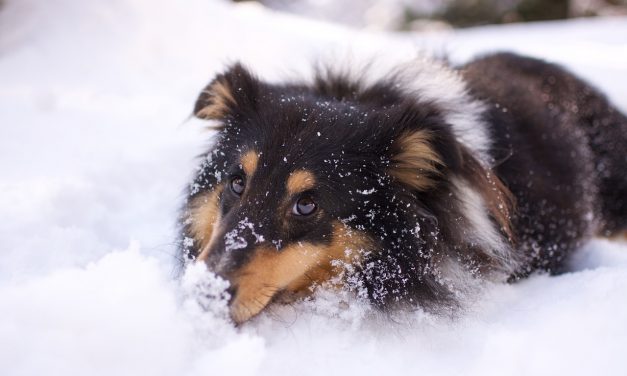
299,181
249,162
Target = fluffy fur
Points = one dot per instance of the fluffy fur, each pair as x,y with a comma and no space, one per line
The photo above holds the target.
420,180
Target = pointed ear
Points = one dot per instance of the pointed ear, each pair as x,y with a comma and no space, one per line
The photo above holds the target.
231,92
415,161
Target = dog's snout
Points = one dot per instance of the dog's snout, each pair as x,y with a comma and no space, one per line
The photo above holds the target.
234,244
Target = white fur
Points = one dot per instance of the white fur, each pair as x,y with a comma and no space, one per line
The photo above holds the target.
481,230
434,81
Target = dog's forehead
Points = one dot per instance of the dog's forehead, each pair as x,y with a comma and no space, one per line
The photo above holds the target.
301,131
280,164
316,151
325,137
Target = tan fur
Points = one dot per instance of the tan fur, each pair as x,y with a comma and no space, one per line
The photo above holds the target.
294,268
220,97
346,249
300,181
249,162
416,162
499,200
205,217
501,203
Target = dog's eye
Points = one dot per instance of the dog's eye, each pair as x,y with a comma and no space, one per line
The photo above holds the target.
304,206
237,185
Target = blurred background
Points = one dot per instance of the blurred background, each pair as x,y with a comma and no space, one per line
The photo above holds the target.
420,15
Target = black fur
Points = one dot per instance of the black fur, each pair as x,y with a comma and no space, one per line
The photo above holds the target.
557,145
563,149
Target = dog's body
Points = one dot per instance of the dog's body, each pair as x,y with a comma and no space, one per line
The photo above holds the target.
405,187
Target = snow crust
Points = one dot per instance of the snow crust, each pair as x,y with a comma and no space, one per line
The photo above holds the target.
96,146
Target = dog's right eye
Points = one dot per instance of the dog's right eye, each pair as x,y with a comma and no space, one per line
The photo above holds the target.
237,185
304,206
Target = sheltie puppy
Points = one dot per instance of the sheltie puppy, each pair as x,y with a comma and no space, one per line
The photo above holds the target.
405,186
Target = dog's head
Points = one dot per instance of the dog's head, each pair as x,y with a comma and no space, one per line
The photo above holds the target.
305,181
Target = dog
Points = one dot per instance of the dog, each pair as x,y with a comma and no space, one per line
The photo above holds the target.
402,186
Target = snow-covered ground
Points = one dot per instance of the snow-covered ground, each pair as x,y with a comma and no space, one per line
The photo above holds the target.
96,146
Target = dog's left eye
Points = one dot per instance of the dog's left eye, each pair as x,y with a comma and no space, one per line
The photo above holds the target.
304,206
237,185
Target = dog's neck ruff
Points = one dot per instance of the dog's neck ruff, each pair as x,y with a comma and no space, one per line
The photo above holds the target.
431,80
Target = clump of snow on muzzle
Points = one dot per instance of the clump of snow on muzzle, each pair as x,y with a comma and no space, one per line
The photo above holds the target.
219,346
206,299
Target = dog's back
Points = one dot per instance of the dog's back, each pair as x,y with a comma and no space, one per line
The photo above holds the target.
560,147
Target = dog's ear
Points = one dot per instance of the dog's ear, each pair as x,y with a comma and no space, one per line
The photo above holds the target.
415,161
233,92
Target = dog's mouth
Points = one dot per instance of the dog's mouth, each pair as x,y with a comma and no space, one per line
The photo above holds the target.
283,276
243,308
246,304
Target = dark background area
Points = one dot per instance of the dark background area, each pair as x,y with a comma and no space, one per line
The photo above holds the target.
430,14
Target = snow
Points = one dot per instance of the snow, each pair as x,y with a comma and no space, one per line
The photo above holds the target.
96,147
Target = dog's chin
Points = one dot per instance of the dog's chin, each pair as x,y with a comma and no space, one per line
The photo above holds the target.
248,304
242,310
288,297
